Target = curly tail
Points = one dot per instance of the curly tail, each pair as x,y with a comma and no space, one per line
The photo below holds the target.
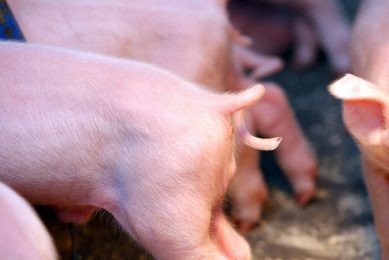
236,106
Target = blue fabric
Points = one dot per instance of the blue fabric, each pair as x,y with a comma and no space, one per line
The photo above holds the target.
9,28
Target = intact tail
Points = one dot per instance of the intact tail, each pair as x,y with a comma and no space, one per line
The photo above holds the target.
241,101
257,143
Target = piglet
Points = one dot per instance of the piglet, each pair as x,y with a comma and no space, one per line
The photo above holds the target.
195,40
365,97
23,235
84,132
307,24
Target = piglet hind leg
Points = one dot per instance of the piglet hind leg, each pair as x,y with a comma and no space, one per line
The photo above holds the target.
261,65
274,117
233,245
306,43
168,212
173,228
247,191
174,210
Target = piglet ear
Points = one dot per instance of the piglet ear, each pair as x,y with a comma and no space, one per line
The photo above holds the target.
351,87
365,109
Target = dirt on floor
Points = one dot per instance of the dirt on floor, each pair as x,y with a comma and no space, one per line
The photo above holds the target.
336,225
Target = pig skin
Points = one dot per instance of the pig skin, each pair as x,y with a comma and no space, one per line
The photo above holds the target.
83,132
210,53
365,97
23,235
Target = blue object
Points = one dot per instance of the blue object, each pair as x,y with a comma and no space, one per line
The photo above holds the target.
9,28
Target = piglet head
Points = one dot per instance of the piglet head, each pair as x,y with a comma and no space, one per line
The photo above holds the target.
366,115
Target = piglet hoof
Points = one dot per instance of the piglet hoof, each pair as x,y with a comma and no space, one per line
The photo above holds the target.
305,190
304,198
246,218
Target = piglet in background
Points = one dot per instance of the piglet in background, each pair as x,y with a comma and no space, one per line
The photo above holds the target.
273,116
275,25
23,235
365,97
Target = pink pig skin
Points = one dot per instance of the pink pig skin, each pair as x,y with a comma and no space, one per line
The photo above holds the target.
162,41
202,47
366,106
22,236
191,38
294,156
83,132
